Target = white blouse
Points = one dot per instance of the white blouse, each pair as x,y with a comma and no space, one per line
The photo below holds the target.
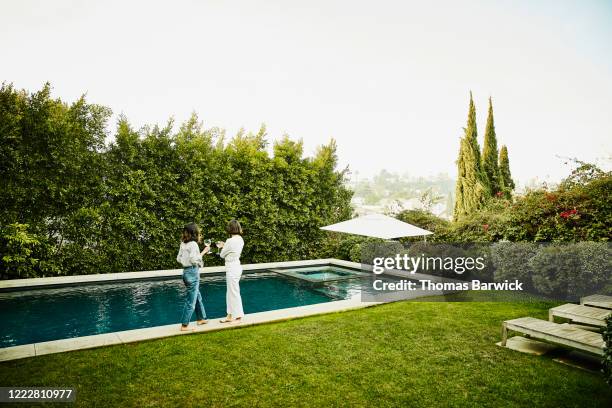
189,254
232,249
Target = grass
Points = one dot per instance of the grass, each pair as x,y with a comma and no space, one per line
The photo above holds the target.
400,354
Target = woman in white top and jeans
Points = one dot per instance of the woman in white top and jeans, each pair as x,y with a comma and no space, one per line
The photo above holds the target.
230,251
190,257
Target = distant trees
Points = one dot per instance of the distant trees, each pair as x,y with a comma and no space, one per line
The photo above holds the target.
429,198
480,176
73,204
386,186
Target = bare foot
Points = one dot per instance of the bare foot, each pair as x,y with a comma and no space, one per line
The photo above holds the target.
201,322
186,328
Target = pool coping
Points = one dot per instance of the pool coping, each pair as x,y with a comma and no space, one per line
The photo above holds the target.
34,283
7,285
293,273
156,332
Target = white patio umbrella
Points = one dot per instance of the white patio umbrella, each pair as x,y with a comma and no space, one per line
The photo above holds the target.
378,226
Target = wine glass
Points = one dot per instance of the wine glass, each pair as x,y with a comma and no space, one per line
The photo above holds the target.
208,242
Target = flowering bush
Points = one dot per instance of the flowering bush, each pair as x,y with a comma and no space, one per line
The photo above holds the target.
568,214
580,210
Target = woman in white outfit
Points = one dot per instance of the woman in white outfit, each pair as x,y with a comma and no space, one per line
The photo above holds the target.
230,251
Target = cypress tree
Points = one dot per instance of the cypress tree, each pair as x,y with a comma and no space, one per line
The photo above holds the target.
449,205
504,171
471,133
470,191
490,154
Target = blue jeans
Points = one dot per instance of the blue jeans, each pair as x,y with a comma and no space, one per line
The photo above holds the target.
193,299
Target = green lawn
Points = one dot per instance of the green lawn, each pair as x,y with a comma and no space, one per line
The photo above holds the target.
400,354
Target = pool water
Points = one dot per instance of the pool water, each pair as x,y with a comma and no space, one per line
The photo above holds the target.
50,314
324,276
321,274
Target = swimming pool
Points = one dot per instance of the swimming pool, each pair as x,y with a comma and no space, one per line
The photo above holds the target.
32,316
321,274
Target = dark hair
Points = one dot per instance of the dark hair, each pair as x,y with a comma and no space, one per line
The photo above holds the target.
191,232
234,228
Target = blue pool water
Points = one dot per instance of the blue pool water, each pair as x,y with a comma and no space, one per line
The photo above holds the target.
73,311
321,274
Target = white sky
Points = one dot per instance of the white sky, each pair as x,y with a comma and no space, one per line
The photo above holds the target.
388,80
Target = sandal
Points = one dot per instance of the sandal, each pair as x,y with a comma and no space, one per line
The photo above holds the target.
201,322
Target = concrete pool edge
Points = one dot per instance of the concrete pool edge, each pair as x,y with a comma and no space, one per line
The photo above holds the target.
158,332
13,284
34,283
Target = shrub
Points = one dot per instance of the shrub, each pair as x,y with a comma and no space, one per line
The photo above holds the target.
435,250
371,249
607,359
552,270
572,270
511,261
595,266
485,225
442,252
343,246
426,220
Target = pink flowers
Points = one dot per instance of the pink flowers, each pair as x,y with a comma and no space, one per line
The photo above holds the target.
499,194
568,213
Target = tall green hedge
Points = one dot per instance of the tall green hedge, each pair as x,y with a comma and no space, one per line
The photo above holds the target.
76,201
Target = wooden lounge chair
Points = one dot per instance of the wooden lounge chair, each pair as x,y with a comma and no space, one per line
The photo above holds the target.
560,334
580,314
601,301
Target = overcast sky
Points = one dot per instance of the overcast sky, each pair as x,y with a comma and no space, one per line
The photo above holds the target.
389,81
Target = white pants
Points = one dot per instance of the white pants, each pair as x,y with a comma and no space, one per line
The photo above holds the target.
233,272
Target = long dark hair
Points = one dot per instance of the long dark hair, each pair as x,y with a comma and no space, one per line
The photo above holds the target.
191,232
